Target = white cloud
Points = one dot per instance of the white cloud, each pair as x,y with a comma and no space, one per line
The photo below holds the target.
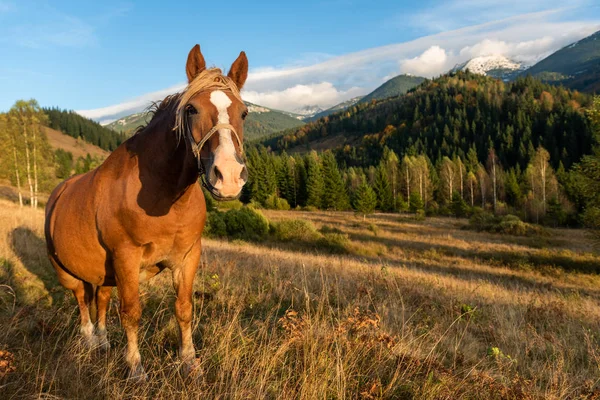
430,63
328,80
324,94
110,113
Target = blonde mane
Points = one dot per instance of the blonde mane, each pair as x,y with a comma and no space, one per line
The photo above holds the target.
207,80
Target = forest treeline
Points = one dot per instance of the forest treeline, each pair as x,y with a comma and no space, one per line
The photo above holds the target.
534,185
449,116
26,158
74,125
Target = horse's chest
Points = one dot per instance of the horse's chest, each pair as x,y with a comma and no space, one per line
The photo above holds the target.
172,246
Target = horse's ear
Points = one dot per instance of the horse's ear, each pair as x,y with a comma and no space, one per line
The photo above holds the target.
239,70
195,63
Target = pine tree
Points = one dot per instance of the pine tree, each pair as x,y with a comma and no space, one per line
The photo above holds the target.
383,189
334,196
365,200
314,180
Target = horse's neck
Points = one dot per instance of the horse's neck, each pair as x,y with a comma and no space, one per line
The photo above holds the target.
167,161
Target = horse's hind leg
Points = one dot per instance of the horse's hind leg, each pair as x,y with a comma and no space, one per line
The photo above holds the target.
84,294
102,299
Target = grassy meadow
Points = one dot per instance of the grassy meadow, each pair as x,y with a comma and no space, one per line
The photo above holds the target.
401,309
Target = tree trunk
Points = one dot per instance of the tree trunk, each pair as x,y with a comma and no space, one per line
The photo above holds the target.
462,195
17,174
35,174
27,160
407,185
472,196
494,184
543,178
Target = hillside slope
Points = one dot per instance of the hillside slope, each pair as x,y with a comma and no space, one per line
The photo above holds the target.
77,126
338,107
77,147
396,86
452,114
261,121
576,66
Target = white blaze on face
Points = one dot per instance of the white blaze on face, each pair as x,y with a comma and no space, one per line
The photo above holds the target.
221,101
230,182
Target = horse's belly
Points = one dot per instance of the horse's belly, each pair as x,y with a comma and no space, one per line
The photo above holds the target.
86,262
75,241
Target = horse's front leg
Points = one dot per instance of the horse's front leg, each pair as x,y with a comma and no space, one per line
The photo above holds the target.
183,280
127,270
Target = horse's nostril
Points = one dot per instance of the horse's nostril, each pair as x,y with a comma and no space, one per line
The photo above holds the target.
244,174
218,174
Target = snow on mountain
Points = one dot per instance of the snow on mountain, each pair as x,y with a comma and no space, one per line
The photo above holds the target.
253,108
345,104
497,66
308,111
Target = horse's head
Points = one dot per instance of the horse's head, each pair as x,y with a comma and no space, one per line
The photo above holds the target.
212,114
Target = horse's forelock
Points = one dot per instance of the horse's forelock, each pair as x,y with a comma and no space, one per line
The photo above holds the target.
207,81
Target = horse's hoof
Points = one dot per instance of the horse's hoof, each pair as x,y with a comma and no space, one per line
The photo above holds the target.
103,344
138,375
193,368
91,341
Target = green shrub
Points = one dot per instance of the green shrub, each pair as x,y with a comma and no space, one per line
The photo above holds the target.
246,223
210,202
276,203
401,203
415,202
373,228
507,224
459,206
512,225
310,208
335,242
433,208
255,204
419,215
230,205
482,220
325,229
295,230
215,225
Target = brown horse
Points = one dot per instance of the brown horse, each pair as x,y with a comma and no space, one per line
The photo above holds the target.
143,211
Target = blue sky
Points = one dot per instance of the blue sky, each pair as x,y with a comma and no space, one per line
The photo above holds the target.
112,57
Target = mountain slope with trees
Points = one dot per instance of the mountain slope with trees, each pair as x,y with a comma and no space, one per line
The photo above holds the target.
454,113
576,66
452,146
396,86
74,125
260,122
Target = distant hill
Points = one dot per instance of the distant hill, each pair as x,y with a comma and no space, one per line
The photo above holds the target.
450,115
77,147
77,126
396,86
338,107
261,121
576,66
130,123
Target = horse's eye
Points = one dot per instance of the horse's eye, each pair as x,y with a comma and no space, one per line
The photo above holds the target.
191,110
244,114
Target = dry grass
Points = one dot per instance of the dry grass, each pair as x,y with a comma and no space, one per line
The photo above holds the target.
415,310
